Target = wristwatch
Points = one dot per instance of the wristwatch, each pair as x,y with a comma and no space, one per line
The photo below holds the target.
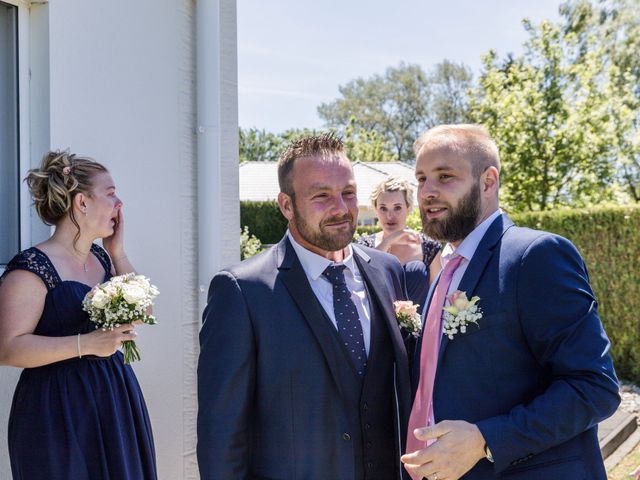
487,453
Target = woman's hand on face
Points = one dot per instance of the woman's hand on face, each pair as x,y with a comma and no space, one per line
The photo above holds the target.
103,343
114,244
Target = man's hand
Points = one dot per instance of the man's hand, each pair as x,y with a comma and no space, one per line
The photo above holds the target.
459,446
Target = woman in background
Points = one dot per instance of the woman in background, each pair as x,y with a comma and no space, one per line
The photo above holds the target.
392,200
78,411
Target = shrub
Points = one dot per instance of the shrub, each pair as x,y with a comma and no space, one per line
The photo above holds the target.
249,244
264,220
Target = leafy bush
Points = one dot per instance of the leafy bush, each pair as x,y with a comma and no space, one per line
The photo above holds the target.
264,220
249,244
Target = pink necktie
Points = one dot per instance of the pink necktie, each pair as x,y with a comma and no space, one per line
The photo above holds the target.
422,411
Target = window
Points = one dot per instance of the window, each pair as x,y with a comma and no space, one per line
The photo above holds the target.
9,140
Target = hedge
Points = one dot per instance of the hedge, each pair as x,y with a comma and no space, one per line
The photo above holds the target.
264,220
608,239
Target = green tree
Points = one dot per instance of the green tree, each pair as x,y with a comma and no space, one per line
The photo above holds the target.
360,144
615,27
258,145
394,104
450,84
551,117
400,104
365,145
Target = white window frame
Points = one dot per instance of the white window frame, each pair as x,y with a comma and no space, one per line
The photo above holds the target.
24,151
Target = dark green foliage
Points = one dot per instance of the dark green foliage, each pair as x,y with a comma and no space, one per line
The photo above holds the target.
609,241
264,220
363,230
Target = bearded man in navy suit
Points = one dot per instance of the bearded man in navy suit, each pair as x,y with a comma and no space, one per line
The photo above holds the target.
303,372
516,385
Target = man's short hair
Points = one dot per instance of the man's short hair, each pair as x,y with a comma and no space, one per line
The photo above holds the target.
323,145
472,142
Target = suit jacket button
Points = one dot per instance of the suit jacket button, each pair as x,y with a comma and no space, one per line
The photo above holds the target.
365,406
346,437
367,426
370,465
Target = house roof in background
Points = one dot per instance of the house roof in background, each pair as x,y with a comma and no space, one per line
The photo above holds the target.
259,180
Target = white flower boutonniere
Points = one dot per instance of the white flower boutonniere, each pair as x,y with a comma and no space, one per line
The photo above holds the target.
460,312
408,316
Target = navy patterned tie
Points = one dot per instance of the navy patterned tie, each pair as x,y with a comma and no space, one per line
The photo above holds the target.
347,318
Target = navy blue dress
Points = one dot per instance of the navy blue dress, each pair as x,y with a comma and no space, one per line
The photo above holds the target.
78,419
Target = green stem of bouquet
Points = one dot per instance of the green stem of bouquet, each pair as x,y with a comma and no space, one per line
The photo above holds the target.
130,351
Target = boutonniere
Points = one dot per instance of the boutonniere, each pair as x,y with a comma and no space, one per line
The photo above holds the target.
460,312
408,316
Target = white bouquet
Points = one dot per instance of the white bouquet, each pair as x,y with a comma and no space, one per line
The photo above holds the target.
124,299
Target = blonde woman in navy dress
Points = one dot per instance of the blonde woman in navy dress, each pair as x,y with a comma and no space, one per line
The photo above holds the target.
78,411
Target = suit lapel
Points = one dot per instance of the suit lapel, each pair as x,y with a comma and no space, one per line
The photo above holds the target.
478,263
295,281
381,294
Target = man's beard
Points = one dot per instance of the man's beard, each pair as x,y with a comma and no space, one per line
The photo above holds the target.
459,222
330,242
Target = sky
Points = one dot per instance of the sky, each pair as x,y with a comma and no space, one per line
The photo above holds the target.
294,54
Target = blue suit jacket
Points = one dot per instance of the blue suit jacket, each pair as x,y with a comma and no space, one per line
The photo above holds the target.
535,374
270,390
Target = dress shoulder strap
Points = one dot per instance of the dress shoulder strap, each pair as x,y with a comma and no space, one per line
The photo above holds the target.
35,261
103,257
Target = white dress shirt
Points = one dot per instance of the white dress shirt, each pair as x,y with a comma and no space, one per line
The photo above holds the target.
313,266
466,249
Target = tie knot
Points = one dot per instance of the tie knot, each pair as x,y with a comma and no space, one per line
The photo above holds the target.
451,267
335,274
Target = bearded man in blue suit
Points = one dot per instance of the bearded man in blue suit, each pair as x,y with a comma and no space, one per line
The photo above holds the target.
516,386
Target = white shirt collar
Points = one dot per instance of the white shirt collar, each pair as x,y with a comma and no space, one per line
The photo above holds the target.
469,245
314,264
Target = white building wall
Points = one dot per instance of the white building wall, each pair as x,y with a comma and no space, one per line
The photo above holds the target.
122,89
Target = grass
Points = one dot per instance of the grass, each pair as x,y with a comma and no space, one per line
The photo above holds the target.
628,464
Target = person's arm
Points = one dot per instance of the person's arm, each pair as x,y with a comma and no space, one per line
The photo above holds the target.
558,314
226,382
22,298
404,238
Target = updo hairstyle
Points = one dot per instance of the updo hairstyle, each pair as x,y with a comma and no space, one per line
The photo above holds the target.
60,177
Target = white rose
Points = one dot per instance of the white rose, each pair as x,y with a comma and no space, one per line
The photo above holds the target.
133,293
100,299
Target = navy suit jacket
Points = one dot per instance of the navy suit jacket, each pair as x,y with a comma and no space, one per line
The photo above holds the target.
270,391
535,374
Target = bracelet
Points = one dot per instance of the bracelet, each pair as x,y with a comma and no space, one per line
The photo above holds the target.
114,260
79,352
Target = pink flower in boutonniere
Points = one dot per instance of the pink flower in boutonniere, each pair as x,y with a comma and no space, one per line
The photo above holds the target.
460,312
408,316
